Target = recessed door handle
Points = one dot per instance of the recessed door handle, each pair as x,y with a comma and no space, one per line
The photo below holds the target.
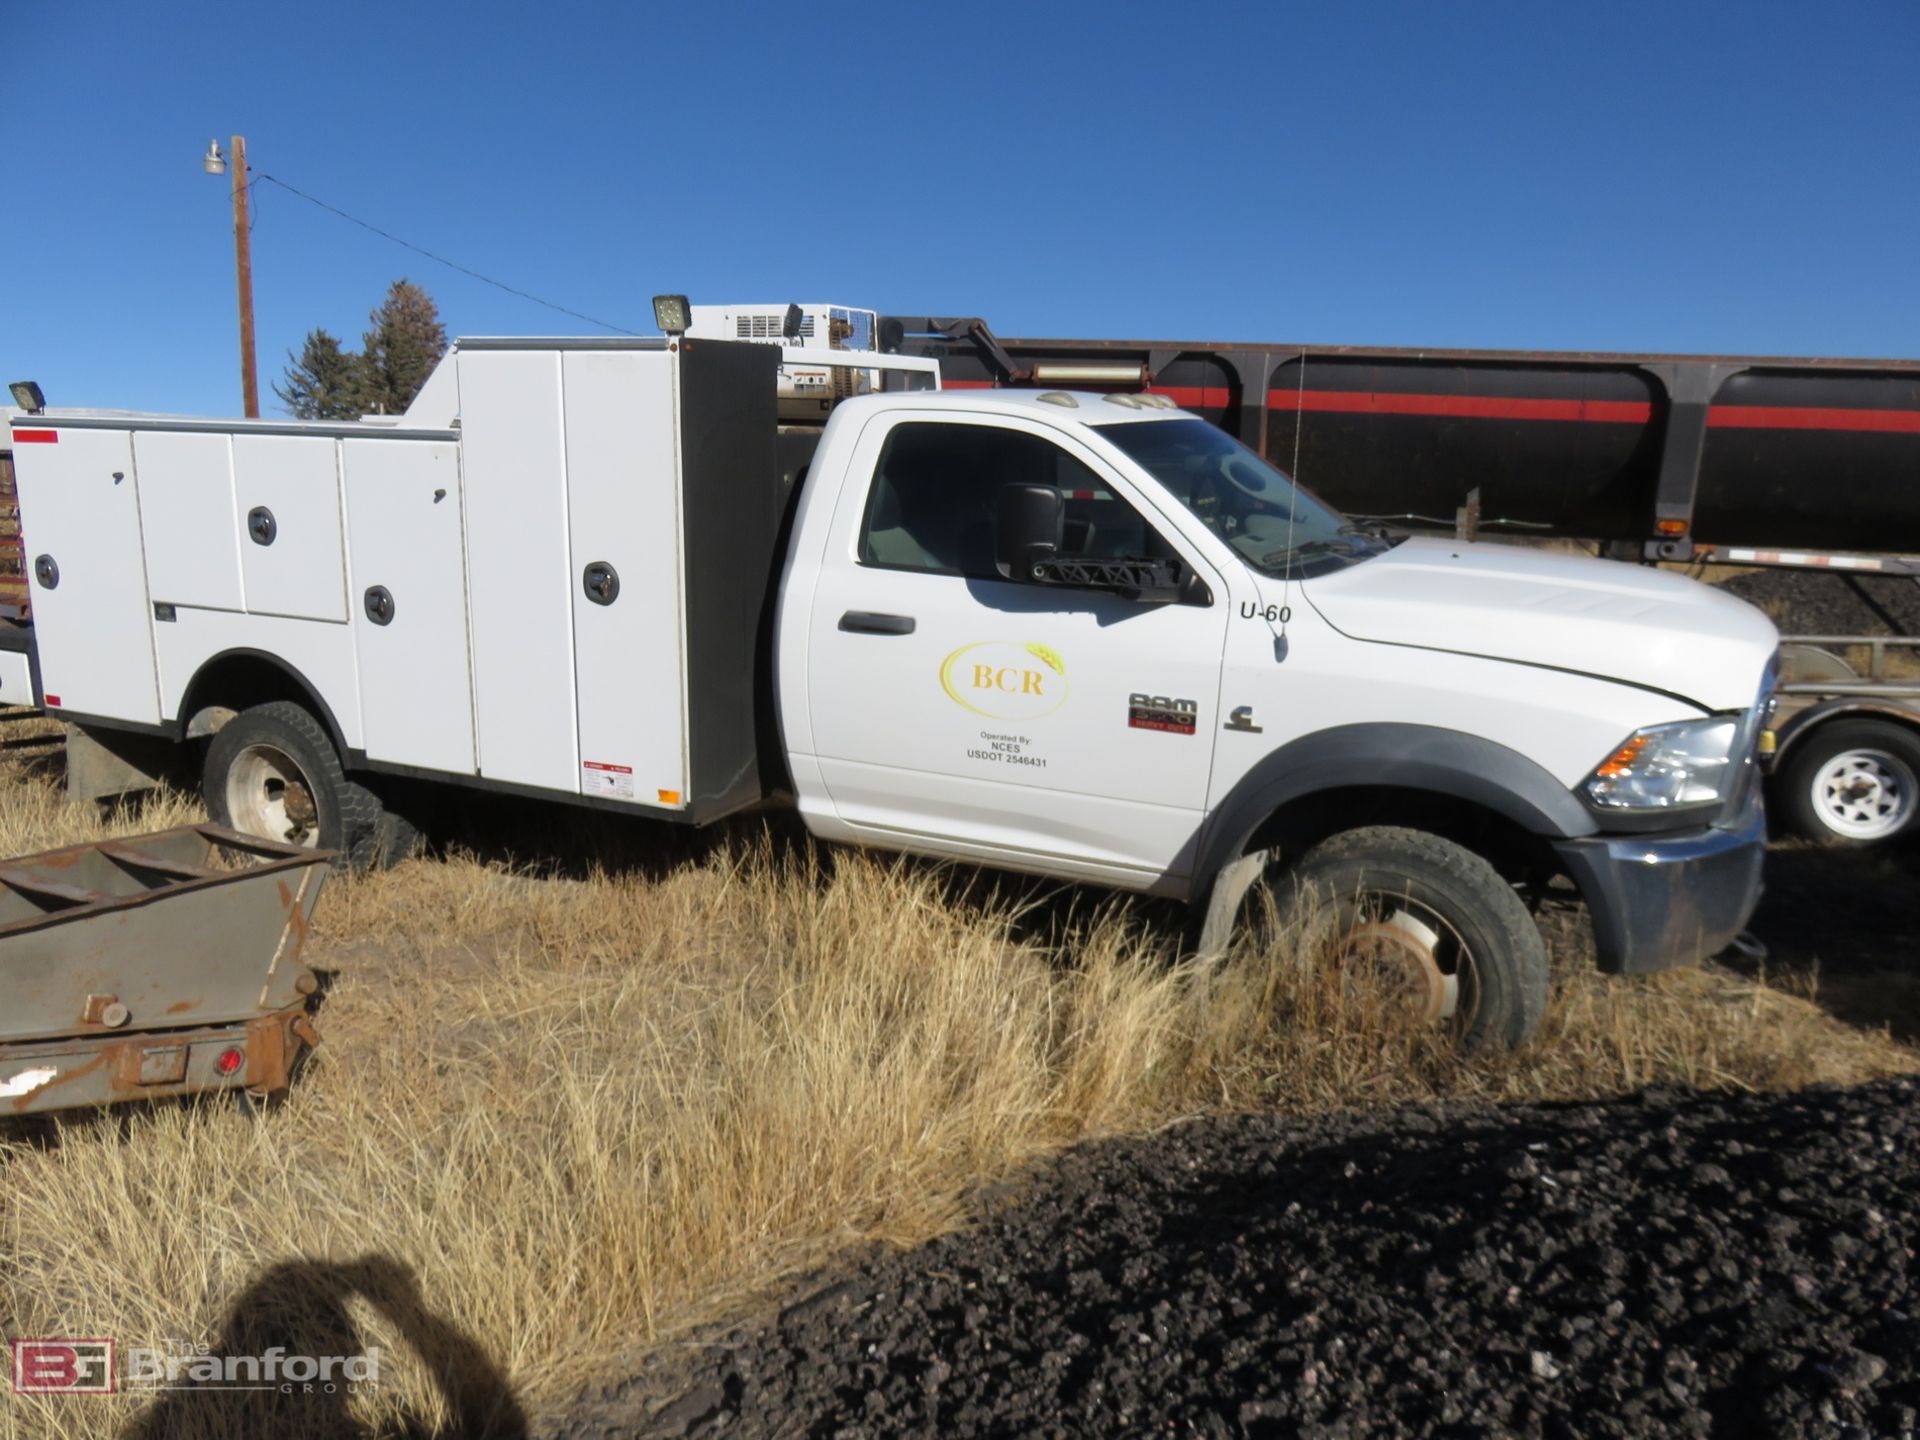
873,622
601,583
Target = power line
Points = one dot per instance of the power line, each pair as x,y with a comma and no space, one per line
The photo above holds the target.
259,175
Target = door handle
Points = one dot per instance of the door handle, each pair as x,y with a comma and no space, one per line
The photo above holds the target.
601,582
872,622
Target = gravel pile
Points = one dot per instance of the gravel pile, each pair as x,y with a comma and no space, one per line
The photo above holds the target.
1674,1265
1824,602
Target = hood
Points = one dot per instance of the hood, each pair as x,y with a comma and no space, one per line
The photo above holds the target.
1603,618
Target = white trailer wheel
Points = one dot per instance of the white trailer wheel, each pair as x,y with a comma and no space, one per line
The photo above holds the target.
1853,781
268,794
1864,795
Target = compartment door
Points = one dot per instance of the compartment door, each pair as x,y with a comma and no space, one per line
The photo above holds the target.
403,531
186,517
80,506
287,500
623,513
521,572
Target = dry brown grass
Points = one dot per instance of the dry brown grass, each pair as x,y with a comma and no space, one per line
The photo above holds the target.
584,1114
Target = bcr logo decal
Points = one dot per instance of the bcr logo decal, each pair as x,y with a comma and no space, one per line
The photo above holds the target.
1004,680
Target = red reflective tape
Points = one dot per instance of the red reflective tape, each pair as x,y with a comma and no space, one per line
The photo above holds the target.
1471,407
1499,407
1197,397
53,702
37,437
1813,417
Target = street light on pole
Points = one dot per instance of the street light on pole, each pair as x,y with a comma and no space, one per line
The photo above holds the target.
214,163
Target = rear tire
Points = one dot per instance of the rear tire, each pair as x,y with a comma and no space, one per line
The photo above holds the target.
399,839
1452,927
1852,782
272,772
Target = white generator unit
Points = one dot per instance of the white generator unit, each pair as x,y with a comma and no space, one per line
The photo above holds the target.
819,327
808,391
549,575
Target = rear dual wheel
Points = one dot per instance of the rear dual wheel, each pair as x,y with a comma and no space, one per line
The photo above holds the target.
272,772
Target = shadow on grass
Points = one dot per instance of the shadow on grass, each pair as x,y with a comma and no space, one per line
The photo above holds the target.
301,1309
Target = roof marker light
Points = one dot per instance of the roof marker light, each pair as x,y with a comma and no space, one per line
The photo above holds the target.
1058,397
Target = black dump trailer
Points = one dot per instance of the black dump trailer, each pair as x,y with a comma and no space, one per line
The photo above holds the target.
1783,464
1662,457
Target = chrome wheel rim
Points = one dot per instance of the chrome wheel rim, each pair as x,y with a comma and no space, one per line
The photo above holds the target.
269,795
1864,794
1403,946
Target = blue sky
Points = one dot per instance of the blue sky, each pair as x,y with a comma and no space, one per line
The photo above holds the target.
1670,176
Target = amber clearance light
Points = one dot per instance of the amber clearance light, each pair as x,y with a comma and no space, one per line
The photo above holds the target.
1621,761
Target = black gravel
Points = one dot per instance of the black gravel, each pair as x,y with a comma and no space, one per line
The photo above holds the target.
1674,1265
1826,602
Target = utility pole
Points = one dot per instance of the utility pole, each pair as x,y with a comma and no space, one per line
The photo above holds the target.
243,273
214,163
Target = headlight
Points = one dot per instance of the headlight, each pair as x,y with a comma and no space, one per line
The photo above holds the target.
1669,767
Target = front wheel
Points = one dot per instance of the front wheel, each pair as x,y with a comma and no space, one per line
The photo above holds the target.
1432,920
1852,782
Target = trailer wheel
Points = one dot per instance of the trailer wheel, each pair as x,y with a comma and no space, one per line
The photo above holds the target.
1432,918
1852,782
272,771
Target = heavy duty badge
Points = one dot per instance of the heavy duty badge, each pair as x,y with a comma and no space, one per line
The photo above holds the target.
1157,712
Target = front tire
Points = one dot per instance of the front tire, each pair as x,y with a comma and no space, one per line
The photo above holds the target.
1438,918
1852,782
272,772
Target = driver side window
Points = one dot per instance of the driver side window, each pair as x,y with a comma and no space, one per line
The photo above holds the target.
936,489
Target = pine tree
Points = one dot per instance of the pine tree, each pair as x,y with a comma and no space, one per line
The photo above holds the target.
400,350
323,382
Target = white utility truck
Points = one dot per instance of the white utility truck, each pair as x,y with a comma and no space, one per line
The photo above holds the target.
1075,634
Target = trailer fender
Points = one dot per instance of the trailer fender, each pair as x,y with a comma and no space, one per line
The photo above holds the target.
1802,724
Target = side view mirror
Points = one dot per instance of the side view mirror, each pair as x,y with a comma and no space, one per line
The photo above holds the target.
1029,538
1029,521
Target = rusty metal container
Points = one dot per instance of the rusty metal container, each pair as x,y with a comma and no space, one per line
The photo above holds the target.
152,966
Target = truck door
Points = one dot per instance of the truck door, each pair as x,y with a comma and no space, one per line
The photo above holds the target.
958,713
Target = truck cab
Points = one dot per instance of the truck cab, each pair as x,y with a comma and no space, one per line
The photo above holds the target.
1093,637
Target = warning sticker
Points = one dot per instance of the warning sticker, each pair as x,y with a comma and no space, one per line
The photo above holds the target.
597,778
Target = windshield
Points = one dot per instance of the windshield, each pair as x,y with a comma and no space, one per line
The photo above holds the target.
1277,527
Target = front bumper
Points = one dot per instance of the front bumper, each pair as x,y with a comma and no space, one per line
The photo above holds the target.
1660,901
